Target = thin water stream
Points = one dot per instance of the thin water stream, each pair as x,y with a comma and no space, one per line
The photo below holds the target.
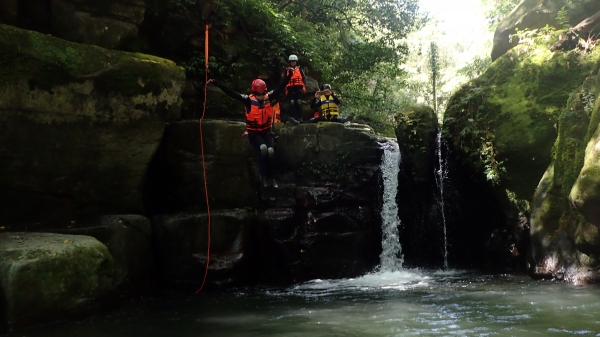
441,174
391,302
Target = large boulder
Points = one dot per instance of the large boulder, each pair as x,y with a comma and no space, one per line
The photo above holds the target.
108,24
103,23
177,176
47,277
129,240
78,126
323,152
416,132
534,14
565,225
505,120
322,221
502,128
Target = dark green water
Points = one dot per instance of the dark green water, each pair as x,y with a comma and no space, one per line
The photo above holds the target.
407,303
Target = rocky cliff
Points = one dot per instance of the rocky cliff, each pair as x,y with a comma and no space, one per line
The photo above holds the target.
103,187
527,126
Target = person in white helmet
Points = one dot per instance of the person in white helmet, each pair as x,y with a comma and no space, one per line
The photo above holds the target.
295,88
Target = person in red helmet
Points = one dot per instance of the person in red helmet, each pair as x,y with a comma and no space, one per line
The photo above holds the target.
259,121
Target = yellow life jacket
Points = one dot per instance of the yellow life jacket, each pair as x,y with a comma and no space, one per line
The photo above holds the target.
328,107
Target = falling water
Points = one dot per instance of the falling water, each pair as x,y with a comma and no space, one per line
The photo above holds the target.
441,173
391,256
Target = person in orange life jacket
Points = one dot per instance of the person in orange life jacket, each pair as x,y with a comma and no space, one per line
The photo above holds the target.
259,120
327,105
295,88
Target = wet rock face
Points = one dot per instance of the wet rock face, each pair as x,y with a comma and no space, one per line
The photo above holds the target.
47,277
416,131
107,24
333,243
322,221
182,245
78,126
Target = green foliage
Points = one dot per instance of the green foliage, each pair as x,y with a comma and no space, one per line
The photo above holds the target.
263,37
533,36
492,167
476,67
562,17
382,21
356,45
518,99
434,66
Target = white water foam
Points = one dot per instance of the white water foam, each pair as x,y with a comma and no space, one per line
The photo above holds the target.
391,255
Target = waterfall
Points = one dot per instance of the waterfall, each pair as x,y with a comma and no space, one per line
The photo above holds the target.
441,173
391,255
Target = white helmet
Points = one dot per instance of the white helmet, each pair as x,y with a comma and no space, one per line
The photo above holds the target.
293,58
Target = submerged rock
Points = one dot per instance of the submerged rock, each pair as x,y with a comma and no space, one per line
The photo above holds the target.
46,277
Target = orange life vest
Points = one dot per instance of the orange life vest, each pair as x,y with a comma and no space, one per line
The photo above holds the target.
296,79
260,116
276,113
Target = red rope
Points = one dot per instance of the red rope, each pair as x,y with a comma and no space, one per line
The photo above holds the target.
203,165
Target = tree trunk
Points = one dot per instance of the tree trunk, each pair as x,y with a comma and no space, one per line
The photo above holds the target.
583,34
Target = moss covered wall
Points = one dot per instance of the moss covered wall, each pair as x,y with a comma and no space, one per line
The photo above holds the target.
78,125
526,124
510,113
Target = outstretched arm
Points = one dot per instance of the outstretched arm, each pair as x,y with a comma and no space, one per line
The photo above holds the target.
275,92
231,93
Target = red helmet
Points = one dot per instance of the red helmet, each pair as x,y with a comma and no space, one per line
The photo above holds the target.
259,85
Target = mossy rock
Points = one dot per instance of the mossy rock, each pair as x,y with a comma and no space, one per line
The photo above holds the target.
564,222
509,115
78,126
416,129
52,277
585,193
129,241
46,62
